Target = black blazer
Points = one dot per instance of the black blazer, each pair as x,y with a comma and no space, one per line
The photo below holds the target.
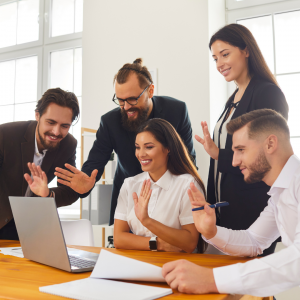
112,136
17,144
247,201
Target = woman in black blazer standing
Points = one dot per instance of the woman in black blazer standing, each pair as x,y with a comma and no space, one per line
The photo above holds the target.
239,59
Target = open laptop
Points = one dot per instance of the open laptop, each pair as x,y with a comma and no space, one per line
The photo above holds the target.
41,235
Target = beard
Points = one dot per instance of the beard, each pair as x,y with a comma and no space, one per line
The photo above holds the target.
47,145
133,125
258,169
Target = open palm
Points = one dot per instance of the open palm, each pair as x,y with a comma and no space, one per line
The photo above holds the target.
77,180
141,202
205,220
38,183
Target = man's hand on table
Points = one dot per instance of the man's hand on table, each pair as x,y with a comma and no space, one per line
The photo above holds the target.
189,278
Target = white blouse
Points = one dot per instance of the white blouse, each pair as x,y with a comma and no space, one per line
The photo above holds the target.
169,203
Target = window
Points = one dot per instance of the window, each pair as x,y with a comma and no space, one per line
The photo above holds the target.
18,89
278,36
19,22
40,48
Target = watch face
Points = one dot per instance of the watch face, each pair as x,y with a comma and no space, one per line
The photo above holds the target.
152,245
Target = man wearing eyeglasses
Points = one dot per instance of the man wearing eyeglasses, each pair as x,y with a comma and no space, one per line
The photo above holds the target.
134,95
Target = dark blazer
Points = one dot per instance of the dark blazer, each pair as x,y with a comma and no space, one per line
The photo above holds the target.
17,145
247,201
112,136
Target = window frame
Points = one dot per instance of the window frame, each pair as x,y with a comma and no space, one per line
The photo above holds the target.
24,46
47,28
242,11
42,49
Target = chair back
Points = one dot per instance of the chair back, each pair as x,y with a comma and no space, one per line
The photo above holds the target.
78,232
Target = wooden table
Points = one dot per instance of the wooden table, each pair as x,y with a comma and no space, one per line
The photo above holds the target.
21,278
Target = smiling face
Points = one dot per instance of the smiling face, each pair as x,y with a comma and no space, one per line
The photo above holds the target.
249,156
134,115
151,154
53,126
231,61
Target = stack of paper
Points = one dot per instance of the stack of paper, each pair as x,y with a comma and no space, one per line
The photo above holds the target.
13,251
100,286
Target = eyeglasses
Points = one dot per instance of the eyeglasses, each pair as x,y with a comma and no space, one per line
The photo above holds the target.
131,101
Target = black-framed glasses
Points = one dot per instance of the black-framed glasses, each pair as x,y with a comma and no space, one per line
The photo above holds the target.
131,100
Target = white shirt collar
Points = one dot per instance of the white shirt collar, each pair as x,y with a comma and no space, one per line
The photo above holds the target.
36,150
286,175
164,182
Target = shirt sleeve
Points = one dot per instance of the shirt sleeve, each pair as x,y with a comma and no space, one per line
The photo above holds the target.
185,214
122,206
260,277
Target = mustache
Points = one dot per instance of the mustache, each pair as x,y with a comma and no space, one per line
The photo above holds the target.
56,136
132,109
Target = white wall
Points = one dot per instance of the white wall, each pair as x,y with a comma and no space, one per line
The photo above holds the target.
217,83
170,35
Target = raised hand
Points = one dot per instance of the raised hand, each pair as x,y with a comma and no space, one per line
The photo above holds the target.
141,203
207,142
76,180
205,220
39,182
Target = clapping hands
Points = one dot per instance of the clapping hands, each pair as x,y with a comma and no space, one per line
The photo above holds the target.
141,202
205,220
39,182
207,142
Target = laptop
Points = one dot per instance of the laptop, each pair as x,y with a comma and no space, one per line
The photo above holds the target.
42,238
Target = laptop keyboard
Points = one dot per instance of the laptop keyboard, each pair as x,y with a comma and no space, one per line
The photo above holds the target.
81,263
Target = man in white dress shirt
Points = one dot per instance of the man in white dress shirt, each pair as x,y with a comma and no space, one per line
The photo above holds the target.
262,151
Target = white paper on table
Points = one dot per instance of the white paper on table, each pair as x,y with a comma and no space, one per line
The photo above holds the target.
13,251
101,289
114,266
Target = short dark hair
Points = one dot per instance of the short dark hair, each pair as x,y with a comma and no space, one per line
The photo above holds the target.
61,98
259,121
142,73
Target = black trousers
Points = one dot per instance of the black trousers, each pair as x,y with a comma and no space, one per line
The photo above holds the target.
9,231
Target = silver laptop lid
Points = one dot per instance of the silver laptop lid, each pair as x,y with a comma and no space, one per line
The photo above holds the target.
40,231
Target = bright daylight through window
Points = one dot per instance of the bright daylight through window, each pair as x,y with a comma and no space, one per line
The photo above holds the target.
40,48
277,35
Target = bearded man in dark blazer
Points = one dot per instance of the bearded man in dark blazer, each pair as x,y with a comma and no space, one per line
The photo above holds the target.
134,91
36,148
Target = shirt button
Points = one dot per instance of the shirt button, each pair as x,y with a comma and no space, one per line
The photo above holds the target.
6,220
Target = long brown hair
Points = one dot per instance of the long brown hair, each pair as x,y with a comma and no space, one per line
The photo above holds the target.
180,161
240,36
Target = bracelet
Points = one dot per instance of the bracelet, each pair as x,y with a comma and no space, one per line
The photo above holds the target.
50,192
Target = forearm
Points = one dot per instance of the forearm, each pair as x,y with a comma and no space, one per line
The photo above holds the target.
235,242
126,240
262,277
180,238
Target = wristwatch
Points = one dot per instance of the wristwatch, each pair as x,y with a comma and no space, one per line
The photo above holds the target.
153,244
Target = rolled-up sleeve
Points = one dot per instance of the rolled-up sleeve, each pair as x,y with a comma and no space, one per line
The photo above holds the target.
262,277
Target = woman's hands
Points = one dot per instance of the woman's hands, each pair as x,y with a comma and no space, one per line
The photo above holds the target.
76,180
141,202
164,246
205,220
207,142
39,182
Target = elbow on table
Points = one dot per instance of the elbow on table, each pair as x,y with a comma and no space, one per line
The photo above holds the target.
190,248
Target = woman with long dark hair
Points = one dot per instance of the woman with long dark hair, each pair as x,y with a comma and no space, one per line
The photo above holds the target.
154,205
239,59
